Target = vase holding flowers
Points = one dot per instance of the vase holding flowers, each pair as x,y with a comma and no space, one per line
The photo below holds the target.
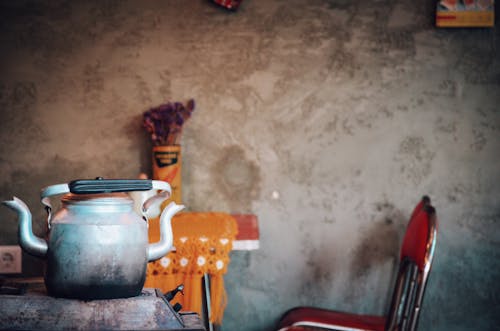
164,123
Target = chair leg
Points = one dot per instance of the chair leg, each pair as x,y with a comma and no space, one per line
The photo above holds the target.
206,303
418,302
409,303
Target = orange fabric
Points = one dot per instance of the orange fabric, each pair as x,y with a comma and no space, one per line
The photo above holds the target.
202,244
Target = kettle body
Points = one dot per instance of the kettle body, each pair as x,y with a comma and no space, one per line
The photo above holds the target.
97,248
97,244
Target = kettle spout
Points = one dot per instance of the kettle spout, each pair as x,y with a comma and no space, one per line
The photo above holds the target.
162,247
29,242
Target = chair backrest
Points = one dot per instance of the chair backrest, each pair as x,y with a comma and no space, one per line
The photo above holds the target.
417,253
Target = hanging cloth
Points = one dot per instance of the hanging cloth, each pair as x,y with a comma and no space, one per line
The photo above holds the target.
202,242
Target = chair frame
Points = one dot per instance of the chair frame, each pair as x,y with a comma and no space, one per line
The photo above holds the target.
409,288
411,283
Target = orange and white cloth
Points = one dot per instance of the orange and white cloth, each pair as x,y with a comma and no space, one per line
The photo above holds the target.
202,244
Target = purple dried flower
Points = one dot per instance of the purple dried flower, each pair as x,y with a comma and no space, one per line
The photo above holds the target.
164,122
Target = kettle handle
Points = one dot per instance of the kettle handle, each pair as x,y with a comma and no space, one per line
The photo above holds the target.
163,192
100,185
48,192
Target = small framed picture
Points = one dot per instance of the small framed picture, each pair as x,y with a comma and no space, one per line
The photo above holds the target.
465,13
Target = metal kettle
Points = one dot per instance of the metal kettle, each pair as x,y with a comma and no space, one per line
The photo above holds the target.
97,245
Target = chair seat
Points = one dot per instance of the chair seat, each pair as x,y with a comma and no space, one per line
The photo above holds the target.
330,319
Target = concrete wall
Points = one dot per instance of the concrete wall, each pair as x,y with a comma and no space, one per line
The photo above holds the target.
327,119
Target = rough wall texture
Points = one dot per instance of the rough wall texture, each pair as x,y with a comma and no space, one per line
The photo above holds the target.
327,119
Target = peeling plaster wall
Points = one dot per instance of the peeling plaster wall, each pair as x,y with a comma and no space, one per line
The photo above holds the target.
327,119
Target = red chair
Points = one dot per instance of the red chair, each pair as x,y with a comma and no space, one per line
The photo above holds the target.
417,253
